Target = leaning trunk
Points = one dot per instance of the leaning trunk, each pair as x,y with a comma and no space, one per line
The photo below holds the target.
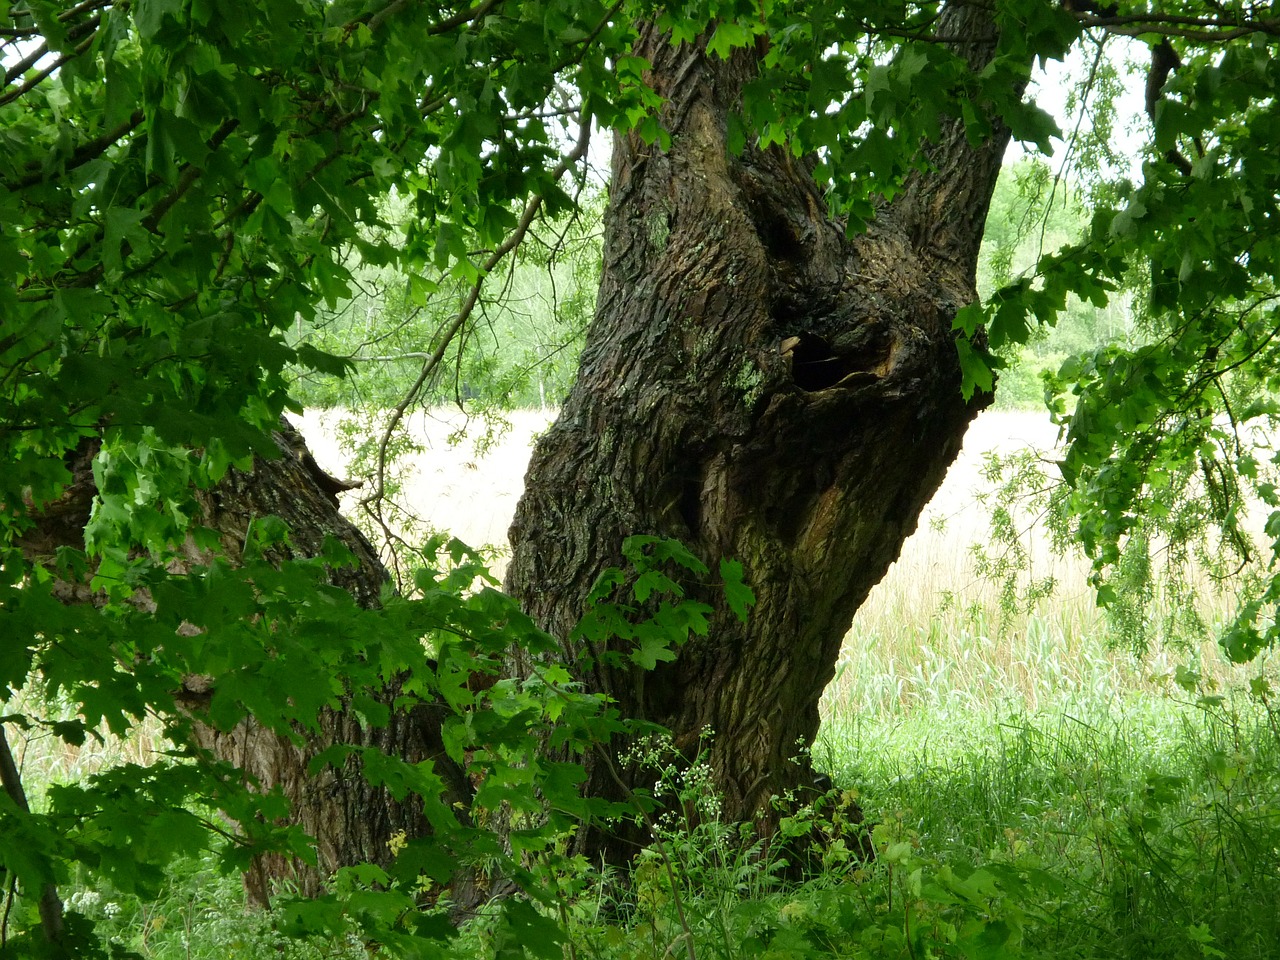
759,387
352,822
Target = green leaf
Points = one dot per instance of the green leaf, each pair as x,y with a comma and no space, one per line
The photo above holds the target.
975,369
654,647
736,593
150,15
727,37
522,931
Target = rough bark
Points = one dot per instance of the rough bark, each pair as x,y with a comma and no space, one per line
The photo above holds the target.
351,821
759,387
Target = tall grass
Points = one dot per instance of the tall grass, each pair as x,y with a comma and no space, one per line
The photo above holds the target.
1146,787
936,632
43,757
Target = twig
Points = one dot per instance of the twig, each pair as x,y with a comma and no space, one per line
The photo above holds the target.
513,240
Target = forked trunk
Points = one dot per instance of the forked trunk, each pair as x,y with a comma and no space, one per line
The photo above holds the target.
759,387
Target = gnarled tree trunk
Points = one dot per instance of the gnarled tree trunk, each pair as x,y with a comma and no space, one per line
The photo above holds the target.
759,387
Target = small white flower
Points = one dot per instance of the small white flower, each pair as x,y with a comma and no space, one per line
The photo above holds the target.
84,899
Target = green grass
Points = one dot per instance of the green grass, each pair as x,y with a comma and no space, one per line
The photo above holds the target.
1036,791
1146,827
1035,794
1113,818
1161,819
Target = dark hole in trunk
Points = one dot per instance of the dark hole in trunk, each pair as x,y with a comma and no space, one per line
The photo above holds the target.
814,365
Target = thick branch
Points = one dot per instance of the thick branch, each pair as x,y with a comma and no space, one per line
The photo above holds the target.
944,210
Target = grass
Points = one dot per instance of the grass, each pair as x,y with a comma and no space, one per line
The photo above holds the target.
1028,739
1036,795
1159,818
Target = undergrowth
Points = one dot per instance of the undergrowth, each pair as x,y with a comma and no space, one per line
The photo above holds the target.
1158,819
1029,792
1144,827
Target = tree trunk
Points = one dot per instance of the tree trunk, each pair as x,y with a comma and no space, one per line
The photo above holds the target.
351,821
759,387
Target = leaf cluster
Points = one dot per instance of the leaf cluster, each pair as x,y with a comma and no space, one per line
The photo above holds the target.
259,628
1168,448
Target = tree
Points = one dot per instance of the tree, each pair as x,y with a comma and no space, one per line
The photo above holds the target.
785,355
759,386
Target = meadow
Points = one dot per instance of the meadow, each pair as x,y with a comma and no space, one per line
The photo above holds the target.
1033,789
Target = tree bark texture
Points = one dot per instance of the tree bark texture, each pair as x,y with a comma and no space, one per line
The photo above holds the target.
761,387
351,821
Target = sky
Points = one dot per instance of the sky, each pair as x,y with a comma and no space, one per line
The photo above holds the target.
1051,87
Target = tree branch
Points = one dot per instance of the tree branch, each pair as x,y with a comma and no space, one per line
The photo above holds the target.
87,151
50,906
1203,29
25,64
375,499
40,77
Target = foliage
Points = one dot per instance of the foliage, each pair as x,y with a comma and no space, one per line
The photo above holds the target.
713,889
1033,211
199,914
183,185
521,350
191,181
1168,435
122,828
1115,823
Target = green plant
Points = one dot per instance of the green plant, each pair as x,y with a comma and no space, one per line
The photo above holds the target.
128,828
1126,826
690,883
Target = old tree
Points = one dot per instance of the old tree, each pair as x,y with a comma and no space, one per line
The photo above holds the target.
784,359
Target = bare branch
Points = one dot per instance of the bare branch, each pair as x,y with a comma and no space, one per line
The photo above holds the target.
41,75
375,499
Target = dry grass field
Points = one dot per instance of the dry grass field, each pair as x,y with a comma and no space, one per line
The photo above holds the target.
931,633
457,482
454,481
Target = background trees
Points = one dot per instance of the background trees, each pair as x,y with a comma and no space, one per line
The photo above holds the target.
795,216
